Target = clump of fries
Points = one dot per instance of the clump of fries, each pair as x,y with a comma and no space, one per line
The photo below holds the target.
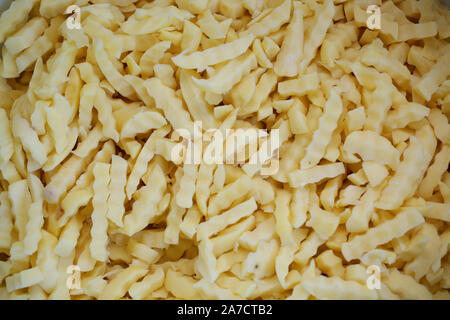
93,205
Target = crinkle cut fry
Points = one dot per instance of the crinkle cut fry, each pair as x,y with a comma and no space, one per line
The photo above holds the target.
95,126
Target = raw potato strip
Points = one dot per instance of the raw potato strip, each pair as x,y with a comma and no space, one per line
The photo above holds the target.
227,240
141,92
218,223
435,210
283,226
435,172
62,62
29,139
383,62
151,282
297,119
116,209
176,212
33,228
6,138
20,198
324,223
229,194
152,56
196,104
211,27
335,42
242,93
242,288
202,191
299,206
300,178
170,104
377,108
64,178
146,21
445,243
90,142
265,86
322,20
54,158
261,57
405,286
187,186
421,264
58,119
416,31
330,191
146,207
24,279
405,180
25,37
300,86
270,23
429,83
229,75
73,201
439,121
382,233
284,258
68,237
212,291
99,242
206,261
121,283
181,286
94,30
369,145
6,221
291,50
335,288
111,74
14,16
191,37
47,261
202,59
142,122
405,114
322,136
9,172
87,99
8,68
49,8
140,166
362,213
190,222
261,263
41,46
